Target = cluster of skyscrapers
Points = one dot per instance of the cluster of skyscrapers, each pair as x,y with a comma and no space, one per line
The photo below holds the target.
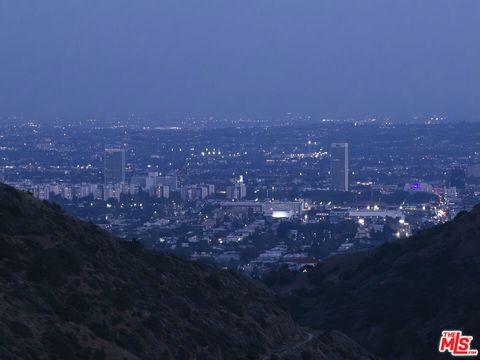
114,173
161,185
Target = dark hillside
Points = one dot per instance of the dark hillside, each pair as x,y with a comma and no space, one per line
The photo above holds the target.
69,290
397,299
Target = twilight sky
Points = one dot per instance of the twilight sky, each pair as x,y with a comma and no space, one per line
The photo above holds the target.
160,58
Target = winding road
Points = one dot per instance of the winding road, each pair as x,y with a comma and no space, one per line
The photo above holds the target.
292,347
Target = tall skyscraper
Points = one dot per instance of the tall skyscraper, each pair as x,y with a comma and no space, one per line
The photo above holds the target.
339,166
114,170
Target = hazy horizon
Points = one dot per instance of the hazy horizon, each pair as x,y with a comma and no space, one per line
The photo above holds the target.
264,58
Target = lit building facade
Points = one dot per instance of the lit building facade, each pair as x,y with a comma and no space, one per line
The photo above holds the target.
339,167
114,169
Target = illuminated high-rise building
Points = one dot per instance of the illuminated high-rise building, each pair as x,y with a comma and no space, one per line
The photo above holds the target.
339,167
237,191
114,169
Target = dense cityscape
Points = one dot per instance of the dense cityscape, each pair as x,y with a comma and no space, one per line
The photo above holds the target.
254,197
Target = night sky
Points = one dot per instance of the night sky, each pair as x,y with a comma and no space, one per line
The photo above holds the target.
175,58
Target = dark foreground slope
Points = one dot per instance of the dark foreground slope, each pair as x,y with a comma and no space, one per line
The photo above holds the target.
71,291
397,299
